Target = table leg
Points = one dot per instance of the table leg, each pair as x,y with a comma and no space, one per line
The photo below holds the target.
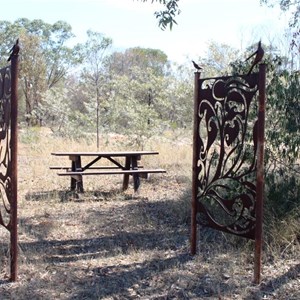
136,177
126,176
80,185
76,183
73,180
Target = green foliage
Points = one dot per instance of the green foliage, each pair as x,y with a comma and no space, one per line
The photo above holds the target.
167,16
284,123
128,110
58,114
282,142
283,193
282,108
45,59
217,59
121,63
94,51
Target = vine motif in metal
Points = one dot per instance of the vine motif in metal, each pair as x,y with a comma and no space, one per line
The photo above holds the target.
5,151
226,159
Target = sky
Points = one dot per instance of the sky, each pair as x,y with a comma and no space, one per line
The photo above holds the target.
131,23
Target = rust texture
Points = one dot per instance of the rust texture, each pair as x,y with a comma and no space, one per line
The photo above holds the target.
8,154
226,161
260,174
228,154
195,159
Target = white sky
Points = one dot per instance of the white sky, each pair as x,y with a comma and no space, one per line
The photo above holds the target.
131,23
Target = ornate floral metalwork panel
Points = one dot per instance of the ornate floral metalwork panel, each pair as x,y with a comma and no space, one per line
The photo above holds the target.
5,151
226,146
8,154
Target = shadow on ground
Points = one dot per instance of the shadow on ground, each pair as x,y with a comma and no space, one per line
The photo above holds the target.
67,195
136,249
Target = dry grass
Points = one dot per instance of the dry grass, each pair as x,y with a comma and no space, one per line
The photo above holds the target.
107,244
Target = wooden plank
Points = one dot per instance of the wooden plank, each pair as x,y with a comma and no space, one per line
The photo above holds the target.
113,172
90,168
59,168
106,154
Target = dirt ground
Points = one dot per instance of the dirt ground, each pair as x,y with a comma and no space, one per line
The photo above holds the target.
109,244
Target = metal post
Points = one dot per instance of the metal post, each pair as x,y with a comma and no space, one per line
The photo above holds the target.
260,174
14,171
195,158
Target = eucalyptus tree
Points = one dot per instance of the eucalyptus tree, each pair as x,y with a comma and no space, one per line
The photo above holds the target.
129,110
44,57
145,96
282,132
32,81
217,59
144,67
122,62
94,51
52,41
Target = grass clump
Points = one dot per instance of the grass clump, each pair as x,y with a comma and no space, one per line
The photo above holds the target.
109,244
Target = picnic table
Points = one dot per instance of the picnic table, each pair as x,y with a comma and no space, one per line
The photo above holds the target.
122,162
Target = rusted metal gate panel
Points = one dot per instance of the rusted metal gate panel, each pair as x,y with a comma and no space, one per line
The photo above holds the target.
228,157
8,154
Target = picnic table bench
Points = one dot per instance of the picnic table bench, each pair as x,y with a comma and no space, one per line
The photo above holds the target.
129,167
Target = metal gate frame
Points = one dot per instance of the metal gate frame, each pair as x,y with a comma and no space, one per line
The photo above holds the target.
255,221
9,153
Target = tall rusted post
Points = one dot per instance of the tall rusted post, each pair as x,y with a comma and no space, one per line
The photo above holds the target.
14,172
195,158
260,174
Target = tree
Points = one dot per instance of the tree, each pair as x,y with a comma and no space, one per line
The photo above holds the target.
52,39
140,65
45,60
58,57
128,109
94,51
32,77
122,63
217,59
180,97
282,134
294,7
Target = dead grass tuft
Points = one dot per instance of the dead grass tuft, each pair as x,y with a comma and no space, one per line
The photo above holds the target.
107,244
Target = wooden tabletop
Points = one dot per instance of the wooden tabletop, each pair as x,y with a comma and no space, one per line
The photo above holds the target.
103,154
